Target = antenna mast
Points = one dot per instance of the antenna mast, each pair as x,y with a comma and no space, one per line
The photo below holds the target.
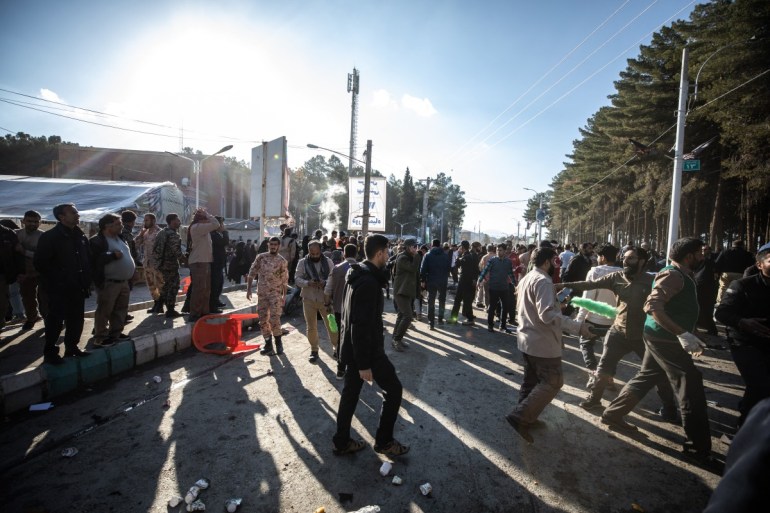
353,88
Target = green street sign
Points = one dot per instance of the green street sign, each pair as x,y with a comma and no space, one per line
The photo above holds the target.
691,165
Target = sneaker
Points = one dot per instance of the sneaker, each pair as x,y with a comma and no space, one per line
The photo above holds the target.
129,318
468,323
404,343
392,448
509,331
336,353
313,357
28,326
350,448
479,305
106,342
618,424
173,314
76,352
441,320
340,373
521,429
397,345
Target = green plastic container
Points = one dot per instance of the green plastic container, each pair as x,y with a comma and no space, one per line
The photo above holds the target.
332,323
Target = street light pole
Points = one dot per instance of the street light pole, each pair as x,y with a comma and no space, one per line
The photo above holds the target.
197,164
537,218
676,186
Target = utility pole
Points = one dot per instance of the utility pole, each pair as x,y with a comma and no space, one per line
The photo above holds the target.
367,183
676,186
353,88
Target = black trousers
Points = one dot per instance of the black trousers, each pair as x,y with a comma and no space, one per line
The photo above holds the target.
432,291
707,297
384,375
466,290
670,360
495,297
64,308
753,363
217,284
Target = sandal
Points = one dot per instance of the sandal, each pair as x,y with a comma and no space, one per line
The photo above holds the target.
351,447
392,448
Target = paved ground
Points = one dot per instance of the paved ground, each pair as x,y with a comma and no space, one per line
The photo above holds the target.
267,437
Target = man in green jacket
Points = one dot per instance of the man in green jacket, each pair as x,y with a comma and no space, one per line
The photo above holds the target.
670,342
404,291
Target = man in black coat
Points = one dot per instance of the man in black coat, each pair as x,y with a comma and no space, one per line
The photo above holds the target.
745,310
362,349
468,264
63,261
580,264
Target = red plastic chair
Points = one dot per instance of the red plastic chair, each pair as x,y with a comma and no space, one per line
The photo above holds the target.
221,334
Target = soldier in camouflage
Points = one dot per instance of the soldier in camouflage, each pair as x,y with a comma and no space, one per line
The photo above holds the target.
167,253
272,273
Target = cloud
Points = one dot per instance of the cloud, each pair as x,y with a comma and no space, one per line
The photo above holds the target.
422,107
382,99
47,94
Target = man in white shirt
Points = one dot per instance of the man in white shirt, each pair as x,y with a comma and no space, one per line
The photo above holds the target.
565,256
607,257
539,340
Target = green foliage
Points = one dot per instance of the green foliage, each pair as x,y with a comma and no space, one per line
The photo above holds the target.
23,154
605,184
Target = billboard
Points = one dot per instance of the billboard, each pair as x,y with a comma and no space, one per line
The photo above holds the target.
269,180
377,192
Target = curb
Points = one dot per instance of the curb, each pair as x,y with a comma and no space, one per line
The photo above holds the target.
37,384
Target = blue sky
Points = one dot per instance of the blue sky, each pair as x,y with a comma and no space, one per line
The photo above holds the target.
436,79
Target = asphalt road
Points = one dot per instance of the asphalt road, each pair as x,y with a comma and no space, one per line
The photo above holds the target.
267,437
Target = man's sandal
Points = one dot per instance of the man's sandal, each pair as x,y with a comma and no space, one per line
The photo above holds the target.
392,448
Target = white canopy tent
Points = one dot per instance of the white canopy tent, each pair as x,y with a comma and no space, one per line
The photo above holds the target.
92,198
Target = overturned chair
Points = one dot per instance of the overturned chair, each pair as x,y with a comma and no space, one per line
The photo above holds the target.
221,334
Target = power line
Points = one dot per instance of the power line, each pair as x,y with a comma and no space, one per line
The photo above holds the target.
574,68
624,52
73,110
537,82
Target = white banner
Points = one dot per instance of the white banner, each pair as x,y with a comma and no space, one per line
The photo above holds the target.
377,192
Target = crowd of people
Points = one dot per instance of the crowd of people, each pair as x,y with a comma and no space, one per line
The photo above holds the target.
664,309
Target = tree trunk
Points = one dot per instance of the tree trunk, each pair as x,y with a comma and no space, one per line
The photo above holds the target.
714,239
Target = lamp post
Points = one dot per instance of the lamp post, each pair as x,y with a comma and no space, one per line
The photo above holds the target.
197,169
538,215
401,225
367,179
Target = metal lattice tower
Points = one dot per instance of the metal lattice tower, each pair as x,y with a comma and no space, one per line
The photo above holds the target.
353,88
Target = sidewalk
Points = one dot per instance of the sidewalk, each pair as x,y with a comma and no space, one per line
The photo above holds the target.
24,349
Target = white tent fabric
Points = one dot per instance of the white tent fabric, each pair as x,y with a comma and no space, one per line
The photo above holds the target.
92,198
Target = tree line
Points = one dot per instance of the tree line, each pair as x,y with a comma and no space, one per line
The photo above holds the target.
618,176
319,197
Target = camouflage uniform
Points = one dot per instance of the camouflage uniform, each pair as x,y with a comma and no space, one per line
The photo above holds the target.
167,252
272,273
152,275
